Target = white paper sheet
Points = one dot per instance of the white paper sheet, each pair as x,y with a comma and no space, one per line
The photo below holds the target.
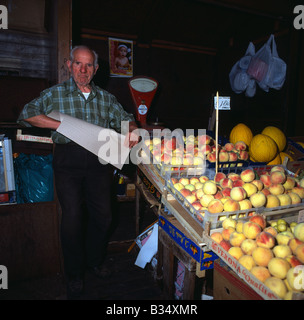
149,249
107,144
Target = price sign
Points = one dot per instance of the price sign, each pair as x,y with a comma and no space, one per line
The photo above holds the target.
301,216
223,103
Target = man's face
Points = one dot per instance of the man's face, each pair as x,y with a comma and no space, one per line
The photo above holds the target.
82,67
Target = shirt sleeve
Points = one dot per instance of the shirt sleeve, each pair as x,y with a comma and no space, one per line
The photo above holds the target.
38,106
117,114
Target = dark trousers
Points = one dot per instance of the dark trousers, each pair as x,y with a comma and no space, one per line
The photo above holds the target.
83,187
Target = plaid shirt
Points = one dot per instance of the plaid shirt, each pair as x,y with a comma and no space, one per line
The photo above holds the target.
101,108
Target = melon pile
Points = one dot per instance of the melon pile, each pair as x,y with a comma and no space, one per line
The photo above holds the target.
267,146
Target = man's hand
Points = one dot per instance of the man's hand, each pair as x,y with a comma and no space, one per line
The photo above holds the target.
132,138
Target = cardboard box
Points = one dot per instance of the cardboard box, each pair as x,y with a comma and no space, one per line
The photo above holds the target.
228,286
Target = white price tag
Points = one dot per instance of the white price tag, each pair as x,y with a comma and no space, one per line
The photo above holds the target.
224,103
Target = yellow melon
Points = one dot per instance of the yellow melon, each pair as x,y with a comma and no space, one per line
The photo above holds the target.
241,133
277,135
262,148
283,155
276,160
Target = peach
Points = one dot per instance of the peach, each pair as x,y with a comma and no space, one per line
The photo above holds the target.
265,240
293,244
265,178
199,193
225,244
243,155
205,199
190,187
295,198
293,261
278,267
188,160
299,231
238,183
204,139
219,176
197,205
223,156
238,193
272,201
236,252
259,219
251,230
262,256
258,199
284,237
278,168
232,156
178,186
224,199
203,179
247,262
226,183
289,183
218,195
199,185
233,176
285,199
194,180
236,239
240,145
211,157
266,191
239,226
259,184
248,245
191,198
271,230
300,253
226,192
229,222
276,189
185,192
299,191
277,286
184,181
281,251
227,232
247,175
229,146
215,206
217,237
250,188
245,204
231,205
210,187
261,273
277,177
295,278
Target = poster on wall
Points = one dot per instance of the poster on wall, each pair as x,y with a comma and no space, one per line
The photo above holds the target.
121,57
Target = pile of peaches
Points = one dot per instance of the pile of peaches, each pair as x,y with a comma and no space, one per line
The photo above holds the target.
275,258
194,150
240,191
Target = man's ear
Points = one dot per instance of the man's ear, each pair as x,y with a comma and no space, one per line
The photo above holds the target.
69,64
96,68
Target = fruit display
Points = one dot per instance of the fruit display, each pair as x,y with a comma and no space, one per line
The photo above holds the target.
268,146
194,151
271,255
238,194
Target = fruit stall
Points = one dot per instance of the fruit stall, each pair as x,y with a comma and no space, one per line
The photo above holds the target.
235,206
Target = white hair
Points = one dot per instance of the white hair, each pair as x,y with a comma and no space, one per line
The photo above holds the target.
84,48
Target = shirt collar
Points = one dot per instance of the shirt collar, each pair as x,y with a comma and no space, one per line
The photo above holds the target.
72,87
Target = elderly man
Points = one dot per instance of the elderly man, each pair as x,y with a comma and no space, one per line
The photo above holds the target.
79,176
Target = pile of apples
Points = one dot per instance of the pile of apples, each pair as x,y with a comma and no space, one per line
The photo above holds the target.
275,258
194,150
239,192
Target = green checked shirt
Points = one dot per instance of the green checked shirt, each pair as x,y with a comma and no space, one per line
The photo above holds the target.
100,108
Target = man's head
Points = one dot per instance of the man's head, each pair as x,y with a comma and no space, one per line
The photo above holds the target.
83,65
